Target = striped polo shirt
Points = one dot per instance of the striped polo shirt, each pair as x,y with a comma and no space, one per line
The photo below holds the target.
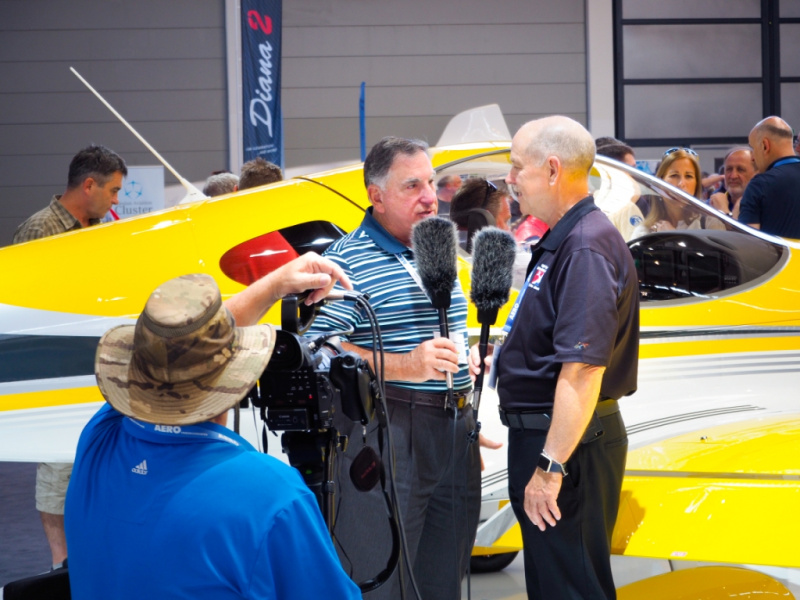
369,256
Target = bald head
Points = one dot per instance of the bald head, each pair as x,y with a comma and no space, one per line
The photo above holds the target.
562,137
770,139
550,163
774,128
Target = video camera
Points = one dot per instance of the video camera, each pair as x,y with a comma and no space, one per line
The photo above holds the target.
307,381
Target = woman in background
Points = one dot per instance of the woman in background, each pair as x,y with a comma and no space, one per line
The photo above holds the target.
479,203
679,167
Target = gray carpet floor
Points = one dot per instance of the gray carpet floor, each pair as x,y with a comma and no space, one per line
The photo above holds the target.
23,547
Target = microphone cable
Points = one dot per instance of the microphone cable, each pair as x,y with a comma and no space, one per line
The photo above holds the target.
378,352
392,500
396,525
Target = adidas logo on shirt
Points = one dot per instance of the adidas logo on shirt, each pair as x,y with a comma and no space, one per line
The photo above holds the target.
141,468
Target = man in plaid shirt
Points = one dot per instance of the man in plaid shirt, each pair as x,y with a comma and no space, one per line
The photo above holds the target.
94,180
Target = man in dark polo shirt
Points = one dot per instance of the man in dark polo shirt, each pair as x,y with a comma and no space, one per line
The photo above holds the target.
771,201
570,353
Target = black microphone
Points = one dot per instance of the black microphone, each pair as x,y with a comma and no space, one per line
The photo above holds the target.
493,253
434,241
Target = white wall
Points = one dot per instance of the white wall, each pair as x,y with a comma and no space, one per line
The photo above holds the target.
600,67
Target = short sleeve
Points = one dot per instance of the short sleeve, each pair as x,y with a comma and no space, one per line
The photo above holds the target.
749,207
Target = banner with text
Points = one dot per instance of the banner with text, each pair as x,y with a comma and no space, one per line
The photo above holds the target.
262,127
142,192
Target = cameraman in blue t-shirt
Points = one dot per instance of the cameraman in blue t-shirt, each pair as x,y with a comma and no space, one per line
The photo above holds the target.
164,500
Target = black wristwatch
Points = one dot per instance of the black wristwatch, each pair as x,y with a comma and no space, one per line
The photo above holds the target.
550,465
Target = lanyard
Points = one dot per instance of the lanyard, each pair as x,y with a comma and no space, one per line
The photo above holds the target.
413,272
184,432
785,161
512,314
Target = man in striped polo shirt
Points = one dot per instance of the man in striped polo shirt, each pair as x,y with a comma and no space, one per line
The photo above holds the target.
437,469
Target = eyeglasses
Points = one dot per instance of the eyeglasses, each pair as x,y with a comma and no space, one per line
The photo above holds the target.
676,148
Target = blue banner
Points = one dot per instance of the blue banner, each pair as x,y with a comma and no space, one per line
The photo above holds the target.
362,122
262,127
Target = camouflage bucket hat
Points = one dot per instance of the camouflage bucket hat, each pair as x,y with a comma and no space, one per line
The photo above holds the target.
184,361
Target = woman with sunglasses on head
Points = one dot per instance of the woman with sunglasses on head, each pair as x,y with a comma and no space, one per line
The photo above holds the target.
681,168
479,203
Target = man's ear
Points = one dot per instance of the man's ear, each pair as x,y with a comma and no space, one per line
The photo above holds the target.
375,195
87,184
554,169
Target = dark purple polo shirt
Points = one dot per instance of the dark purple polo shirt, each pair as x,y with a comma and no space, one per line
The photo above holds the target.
580,305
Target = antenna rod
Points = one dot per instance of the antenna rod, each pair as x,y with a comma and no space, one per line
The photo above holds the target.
193,191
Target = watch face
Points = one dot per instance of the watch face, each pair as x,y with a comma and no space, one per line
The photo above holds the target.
548,465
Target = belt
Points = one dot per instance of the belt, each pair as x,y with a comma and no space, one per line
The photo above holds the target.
606,406
519,419
435,399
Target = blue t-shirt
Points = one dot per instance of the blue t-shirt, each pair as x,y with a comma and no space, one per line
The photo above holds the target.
192,512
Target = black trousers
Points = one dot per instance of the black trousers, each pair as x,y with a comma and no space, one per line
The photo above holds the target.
571,561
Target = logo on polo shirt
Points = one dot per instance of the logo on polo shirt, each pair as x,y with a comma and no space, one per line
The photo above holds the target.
537,276
141,468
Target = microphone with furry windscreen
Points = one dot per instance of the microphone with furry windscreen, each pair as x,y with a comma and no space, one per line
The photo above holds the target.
434,241
493,253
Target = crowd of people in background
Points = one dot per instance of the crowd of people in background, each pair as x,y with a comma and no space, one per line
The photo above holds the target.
254,173
756,184
476,203
771,205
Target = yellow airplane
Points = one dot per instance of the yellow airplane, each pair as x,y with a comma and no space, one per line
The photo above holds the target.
714,429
